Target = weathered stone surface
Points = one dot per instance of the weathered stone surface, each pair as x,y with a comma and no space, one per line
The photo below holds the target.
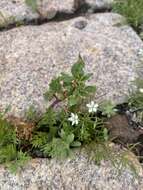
15,11
18,11
72,174
99,4
32,55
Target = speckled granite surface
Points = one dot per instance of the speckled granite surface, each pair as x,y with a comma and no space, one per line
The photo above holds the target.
32,55
73,174
17,11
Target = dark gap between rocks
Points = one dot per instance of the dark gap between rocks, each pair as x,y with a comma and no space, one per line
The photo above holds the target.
61,16
125,130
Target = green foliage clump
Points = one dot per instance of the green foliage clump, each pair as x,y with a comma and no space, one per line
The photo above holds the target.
71,88
77,121
73,125
61,147
108,108
132,10
9,152
8,141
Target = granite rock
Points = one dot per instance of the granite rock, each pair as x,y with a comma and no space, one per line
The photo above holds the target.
99,4
18,11
32,55
77,173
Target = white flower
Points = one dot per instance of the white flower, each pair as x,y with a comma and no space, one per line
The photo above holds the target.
92,107
141,90
74,119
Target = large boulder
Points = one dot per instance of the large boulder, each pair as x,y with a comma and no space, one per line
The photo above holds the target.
18,12
30,56
77,173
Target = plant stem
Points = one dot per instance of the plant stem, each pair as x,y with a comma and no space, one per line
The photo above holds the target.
54,103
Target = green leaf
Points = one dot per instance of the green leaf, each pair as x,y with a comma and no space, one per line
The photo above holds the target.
108,108
62,134
53,130
78,69
48,119
72,100
39,139
70,138
90,89
55,85
67,79
57,148
86,77
49,95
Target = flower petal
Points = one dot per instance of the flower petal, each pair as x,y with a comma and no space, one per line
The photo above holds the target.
141,90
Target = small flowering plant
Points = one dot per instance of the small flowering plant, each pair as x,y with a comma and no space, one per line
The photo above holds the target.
74,119
92,107
76,122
